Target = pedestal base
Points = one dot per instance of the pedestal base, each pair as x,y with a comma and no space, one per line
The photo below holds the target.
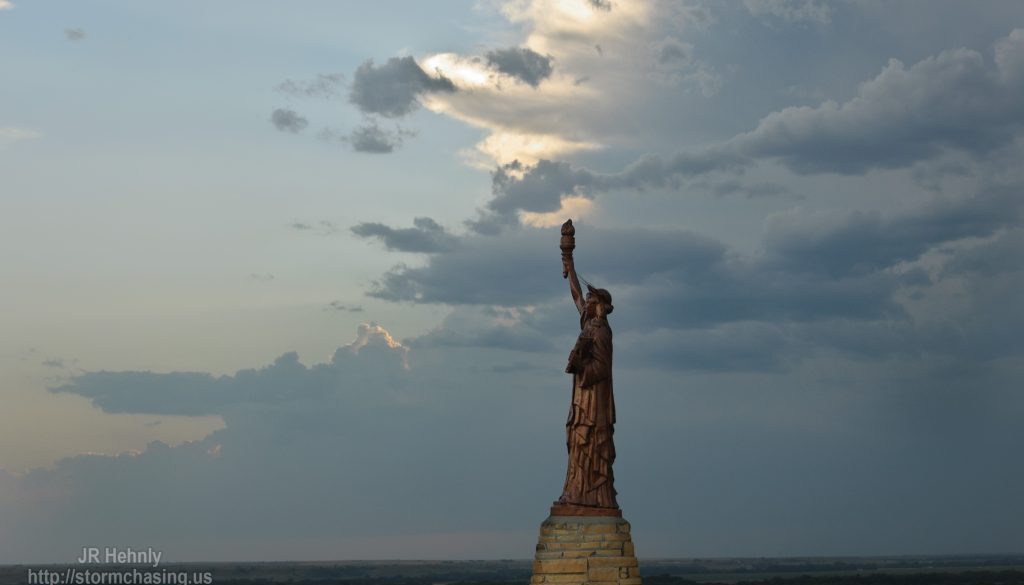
585,550
558,509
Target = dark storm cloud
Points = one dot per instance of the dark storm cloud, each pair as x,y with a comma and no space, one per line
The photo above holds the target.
513,338
196,393
903,116
324,86
426,236
811,268
482,270
736,187
75,34
504,270
287,120
355,429
732,347
550,327
679,278
998,256
725,314
185,393
392,89
991,277
954,100
524,64
841,245
540,187
751,292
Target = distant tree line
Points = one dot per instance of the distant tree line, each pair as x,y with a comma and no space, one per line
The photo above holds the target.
1008,577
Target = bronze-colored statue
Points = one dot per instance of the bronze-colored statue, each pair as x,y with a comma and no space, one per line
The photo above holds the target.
589,483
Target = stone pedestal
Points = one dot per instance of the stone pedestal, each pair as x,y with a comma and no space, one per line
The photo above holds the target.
585,550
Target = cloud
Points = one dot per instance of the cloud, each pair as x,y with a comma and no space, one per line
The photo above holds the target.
706,79
373,335
426,236
369,138
393,89
953,100
673,64
901,117
75,34
502,328
858,344
542,187
745,346
6,5
546,114
728,187
322,227
715,311
841,244
506,270
481,270
339,306
996,256
197,393
790,11
287,120
523,64
672,51
1009,56
811,267
562,27
359,428
11,135
325,85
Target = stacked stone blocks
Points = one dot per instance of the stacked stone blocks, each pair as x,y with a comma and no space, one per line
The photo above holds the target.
575,550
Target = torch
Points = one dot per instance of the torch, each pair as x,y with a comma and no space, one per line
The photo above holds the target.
567,245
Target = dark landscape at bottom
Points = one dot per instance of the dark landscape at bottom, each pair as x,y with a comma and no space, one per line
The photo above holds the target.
897,570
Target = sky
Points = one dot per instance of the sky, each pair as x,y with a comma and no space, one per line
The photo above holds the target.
282,280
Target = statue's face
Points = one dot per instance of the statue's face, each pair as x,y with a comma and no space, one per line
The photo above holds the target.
592,305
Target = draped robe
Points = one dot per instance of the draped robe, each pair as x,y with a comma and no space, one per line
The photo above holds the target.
588,430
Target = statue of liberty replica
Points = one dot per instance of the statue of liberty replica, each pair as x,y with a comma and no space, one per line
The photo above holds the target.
585,540
589,482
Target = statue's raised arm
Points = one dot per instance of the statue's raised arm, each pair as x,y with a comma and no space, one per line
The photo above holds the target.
567,245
